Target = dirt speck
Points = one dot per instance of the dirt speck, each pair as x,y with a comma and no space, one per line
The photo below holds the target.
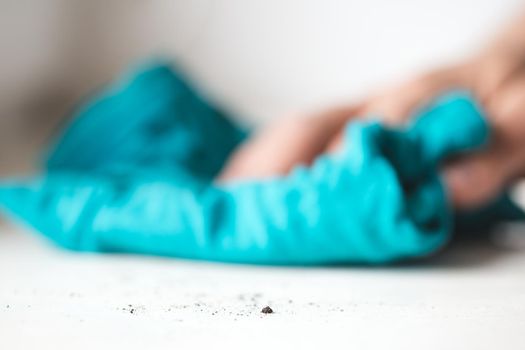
134,309
267,310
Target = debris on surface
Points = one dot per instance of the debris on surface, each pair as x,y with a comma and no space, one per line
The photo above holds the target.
132,309
267,310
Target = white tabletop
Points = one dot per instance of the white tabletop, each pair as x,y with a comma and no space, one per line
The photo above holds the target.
471,296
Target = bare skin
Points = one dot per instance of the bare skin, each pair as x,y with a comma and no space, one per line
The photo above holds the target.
282,145
496,76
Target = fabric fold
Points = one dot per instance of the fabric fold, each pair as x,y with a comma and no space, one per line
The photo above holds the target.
151,192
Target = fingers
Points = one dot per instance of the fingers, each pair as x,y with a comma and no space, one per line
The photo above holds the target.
286,144
494,71
476,179
273,151
498,81
507,110
396,105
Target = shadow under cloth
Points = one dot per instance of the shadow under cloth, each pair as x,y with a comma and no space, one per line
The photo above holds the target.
134,171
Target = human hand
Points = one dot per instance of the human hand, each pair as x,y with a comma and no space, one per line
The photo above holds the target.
286,143
497,79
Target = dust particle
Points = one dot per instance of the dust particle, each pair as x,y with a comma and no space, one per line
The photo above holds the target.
267,310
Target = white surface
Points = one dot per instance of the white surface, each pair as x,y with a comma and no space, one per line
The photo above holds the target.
470,297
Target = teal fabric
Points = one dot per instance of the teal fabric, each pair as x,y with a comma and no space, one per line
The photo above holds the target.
149,119
134,173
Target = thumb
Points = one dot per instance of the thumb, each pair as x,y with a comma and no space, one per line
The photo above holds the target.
478,178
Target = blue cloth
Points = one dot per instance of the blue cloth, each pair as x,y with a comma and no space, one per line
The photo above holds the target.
133,173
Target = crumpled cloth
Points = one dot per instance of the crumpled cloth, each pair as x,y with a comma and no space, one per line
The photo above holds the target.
134,173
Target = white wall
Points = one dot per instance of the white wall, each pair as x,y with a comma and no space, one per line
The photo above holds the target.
260,57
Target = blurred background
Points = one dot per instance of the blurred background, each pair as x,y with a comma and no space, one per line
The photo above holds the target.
260,59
